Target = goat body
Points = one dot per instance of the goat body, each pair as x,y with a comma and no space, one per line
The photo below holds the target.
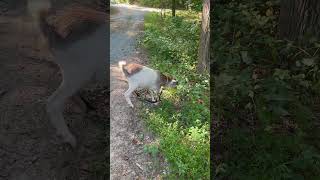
81,52
139,76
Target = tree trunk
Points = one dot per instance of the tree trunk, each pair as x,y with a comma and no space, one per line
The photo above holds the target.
162,9
299,18
173,8
203,53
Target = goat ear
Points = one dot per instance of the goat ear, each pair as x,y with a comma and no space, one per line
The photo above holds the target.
169,77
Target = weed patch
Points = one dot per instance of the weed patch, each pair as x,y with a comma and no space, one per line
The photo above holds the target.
181,121
266,95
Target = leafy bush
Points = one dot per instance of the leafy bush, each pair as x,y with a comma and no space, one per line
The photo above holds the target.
268,88
181,120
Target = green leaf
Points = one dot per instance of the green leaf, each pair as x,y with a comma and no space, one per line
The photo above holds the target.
281,111
251,94
221,168
282,74
308,61
248,106
246,59
223,79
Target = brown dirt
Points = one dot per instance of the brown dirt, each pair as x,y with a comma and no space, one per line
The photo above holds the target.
29,147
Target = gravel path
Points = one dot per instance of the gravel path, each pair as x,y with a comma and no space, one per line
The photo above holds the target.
127,159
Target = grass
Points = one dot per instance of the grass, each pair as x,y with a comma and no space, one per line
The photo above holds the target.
181,121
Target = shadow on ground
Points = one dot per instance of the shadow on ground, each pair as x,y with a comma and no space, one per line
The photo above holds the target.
29,148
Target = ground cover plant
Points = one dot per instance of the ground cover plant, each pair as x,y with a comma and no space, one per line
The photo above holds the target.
266,95
181,121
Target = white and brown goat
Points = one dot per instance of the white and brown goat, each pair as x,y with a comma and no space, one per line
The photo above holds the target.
77,37
140,76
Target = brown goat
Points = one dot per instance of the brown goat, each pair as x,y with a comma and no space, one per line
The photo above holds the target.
77,37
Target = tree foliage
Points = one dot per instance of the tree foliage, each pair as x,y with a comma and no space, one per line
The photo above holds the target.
266,94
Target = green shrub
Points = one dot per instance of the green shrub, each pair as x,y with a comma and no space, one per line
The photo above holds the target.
267,88
181,120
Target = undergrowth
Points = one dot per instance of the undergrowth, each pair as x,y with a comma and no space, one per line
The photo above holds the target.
266,95
181,121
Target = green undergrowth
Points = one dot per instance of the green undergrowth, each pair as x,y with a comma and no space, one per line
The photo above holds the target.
266,95
181,120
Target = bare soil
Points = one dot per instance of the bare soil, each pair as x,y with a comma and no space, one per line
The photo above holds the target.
29,147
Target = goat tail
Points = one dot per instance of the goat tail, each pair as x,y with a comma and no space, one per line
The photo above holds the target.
121,64
123,70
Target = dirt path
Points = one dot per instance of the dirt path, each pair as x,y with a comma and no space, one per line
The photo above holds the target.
127,133
29,147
